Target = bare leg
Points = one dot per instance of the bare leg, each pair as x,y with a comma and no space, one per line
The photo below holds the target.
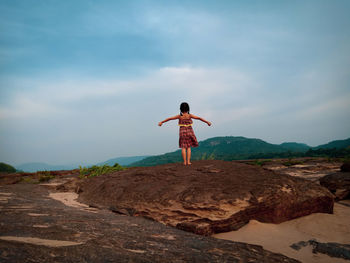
188,155
183,152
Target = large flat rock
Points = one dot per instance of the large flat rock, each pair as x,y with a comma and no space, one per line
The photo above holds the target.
37,228
208,196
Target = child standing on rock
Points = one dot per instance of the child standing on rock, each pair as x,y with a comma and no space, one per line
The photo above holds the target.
187,138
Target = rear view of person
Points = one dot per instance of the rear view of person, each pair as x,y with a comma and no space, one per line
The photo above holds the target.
187,138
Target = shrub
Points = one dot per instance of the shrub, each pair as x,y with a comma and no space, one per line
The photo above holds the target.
262,162
27,180
45,176
99,170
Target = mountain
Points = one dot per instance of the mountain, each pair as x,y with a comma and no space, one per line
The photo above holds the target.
6,168
33,167
124,161
240,148
295,147
338,144
229,148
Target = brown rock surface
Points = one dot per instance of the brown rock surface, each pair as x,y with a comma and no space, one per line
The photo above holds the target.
338,183
208,196
14,178
345,167
36,228
308,168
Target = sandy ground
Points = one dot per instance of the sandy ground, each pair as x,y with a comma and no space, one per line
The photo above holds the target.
279,237
69,199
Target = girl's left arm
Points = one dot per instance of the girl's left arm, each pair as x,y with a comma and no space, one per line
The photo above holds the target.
169,119
201,119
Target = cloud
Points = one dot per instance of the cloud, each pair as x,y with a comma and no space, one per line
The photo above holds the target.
201,85
26,107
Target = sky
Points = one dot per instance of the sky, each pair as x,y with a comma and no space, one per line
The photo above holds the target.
84,81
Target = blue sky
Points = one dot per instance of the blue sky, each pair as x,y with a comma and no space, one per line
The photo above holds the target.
85,81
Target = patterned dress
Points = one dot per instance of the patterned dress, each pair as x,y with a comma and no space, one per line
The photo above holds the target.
187,138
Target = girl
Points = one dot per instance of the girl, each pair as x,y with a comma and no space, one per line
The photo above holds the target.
187,138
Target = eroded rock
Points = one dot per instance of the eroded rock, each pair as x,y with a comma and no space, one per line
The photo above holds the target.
208,196
36,228
331,249
338,183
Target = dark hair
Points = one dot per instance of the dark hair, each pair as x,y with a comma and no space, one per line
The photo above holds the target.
184,107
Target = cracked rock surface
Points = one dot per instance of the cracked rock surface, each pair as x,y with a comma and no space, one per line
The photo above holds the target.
37,228
207,197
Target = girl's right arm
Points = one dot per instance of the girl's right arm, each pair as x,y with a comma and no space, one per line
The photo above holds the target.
169,119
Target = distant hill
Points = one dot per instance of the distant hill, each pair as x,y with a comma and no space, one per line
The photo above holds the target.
241,148
227,148
33,167
338,144
6,168
295,147
124,161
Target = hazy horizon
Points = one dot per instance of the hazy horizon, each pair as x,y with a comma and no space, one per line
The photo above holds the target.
93,84
84,163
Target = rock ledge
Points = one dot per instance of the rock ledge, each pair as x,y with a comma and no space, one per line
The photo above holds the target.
207,197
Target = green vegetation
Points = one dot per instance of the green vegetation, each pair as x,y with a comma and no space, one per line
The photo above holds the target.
44,176
38,177
99,170
6,168
28,180
241,148
338,144
330,152
262,162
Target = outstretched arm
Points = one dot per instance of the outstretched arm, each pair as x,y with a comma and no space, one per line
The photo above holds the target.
169,119
201,119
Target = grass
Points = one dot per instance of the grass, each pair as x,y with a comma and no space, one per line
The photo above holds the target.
28,180
45,176
262,162
99,170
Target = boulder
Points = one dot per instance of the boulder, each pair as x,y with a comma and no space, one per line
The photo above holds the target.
206,197
345,167
338,183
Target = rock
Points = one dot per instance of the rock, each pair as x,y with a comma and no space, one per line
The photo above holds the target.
345,167
338,183
36,228
207,197
13,178
331,249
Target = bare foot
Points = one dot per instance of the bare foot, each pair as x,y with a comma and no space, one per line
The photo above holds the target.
185,163
189,163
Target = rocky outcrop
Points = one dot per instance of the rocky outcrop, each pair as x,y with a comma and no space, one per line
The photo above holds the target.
345,167
12,178
338,183
36,228
331,249
37,177
208,196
